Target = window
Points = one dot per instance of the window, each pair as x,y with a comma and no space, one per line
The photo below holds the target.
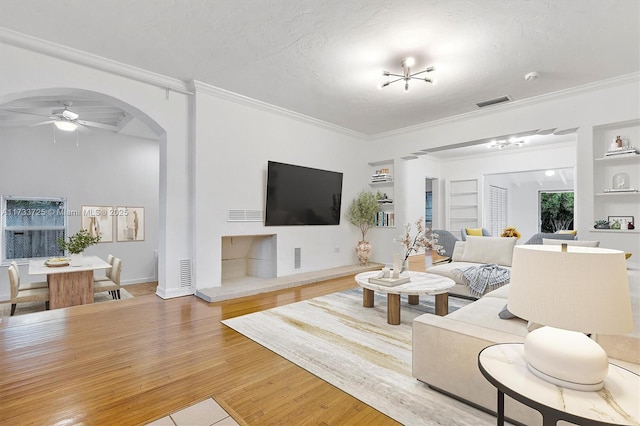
31,227
497,210
556,210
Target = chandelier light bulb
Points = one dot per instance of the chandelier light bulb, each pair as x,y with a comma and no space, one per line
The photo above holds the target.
409,61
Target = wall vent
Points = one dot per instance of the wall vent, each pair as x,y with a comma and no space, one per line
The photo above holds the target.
495,101
244,216
185,273
296,257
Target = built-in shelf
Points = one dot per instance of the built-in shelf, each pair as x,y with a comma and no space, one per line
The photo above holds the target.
616,231
609,194
385,218
464,193
623,157
386,183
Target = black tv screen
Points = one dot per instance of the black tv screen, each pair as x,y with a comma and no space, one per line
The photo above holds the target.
298,195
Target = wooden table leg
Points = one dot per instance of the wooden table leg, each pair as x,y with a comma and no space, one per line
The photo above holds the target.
367,298
442,304
414,299
393,309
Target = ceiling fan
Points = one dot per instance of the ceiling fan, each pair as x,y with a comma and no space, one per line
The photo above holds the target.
67,120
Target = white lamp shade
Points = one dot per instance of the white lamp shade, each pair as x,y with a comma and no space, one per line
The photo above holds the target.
67,126
584,289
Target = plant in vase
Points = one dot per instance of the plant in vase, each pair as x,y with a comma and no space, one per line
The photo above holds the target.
424,239
362,213
601,224
77,243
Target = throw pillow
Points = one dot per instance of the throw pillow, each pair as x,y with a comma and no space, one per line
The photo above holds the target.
474,231
581,243
489,250
505,314
568,231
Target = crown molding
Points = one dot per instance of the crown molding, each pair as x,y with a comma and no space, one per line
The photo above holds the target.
263,106
589,87
79,57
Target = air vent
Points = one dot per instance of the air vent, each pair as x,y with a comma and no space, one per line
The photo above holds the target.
495,101
244,216
185,273
296,257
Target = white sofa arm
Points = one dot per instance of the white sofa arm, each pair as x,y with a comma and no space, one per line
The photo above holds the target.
445,356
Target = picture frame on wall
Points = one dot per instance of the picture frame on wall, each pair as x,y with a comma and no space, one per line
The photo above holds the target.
129,223
98,220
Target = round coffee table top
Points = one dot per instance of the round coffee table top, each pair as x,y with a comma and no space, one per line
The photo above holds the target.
421,283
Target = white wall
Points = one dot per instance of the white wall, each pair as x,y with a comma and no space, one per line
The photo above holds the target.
104,169
234,143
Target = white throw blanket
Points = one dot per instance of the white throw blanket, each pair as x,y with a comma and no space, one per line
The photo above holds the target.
478,278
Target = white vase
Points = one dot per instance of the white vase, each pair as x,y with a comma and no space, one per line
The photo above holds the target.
75,259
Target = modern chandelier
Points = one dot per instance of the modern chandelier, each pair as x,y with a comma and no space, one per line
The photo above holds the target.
502,144
406,75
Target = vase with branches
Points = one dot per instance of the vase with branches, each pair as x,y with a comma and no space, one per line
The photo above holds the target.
77,243
424,239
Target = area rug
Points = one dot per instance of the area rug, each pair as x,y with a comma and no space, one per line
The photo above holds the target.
27,308
335,338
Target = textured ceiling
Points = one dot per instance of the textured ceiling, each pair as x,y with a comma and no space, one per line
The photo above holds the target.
324,58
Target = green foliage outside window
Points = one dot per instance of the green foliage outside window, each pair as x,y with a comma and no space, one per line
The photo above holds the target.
556,211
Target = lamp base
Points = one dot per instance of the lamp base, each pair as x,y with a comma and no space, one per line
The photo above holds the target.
566,358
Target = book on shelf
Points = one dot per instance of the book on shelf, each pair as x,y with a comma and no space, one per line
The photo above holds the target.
381,178
384,219
390,282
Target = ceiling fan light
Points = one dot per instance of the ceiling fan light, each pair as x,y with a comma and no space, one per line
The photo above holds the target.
67,126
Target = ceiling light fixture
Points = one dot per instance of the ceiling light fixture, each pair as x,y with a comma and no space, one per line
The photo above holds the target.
67,126
502,144
550,173
406,75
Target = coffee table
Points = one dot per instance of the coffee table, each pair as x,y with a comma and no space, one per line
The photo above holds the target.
421,283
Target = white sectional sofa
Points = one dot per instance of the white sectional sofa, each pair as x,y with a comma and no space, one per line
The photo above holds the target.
445,349
475,251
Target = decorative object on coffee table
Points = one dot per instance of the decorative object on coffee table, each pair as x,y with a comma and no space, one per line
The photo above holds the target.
549,281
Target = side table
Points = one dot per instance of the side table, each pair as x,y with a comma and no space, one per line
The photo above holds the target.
617,403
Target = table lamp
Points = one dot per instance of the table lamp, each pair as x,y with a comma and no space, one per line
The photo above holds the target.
570,291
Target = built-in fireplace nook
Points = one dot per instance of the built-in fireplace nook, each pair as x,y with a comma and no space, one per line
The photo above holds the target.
249,256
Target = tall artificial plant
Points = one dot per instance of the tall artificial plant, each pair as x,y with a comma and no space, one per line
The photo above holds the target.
362,211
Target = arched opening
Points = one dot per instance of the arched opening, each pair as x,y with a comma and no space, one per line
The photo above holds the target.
113,165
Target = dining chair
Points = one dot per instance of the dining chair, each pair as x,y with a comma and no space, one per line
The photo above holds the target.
112,285
23,296
107,272
28,286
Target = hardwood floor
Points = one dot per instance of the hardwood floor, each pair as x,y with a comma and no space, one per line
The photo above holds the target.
139,359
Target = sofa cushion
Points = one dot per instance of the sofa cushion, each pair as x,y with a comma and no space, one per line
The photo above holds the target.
483,250
484,313
458,250
581,243
502,292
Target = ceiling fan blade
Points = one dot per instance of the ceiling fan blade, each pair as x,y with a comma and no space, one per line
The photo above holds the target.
98,125
83,128
42,123
26,112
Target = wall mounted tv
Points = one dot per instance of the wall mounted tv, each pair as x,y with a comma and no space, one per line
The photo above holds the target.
298,195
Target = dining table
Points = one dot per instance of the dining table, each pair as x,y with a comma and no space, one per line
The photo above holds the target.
68,285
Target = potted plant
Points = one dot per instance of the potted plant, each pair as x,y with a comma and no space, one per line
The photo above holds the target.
77,243
602,224
362,213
